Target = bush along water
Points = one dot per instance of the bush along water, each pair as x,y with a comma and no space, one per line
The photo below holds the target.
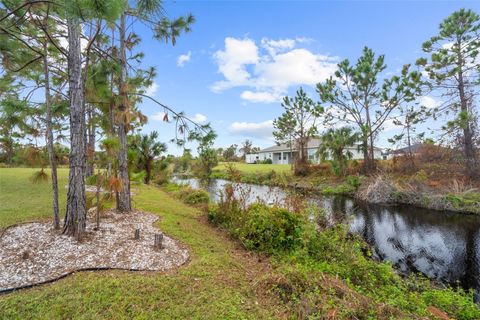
188,195
326,270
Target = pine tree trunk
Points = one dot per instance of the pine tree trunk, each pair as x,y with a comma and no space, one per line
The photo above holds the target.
123,204
111,122
370,164
371,153
90,142
49,136
471,165
366,158
76,203
409,142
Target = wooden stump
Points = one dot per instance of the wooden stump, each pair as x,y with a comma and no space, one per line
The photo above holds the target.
25,255
137,234
157,245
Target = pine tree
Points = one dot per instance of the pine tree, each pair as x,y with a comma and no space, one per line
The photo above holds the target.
358,96
297,125
454,70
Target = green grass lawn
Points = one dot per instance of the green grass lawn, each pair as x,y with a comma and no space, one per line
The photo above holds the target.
220,281
22,201
255,168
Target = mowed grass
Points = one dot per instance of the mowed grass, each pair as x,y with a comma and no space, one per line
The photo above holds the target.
219,282
22,200
255,168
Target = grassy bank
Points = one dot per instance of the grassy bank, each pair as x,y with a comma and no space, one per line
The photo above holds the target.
281,175
417,189
220,281
254,168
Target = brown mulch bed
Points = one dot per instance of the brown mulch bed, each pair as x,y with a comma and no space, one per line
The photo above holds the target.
35,253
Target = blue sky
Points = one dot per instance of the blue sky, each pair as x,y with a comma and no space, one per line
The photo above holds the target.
242,57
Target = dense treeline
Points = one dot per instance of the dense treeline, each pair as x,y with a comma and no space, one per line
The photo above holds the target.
70,74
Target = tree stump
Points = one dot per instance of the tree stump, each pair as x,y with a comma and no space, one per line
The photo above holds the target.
137,234
157,245
25,255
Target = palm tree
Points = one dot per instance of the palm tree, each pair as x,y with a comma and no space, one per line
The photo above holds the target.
334,143
246,148
148,148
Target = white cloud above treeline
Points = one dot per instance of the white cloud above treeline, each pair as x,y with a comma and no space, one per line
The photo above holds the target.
266,72
183,59
262,130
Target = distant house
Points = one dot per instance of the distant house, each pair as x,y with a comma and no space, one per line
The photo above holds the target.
415,148
251,157
284,154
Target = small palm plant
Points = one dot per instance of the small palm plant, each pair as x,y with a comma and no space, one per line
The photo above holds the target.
334,148
148,148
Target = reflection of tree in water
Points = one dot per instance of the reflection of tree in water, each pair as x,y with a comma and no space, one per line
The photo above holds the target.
472,260
440,245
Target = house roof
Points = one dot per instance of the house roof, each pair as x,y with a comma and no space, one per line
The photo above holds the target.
313,143
415,148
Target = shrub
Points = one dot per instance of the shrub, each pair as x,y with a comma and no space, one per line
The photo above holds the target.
162,177
193,196
173,187
354,181
218,175
322,169
419,177
301,169
429,153
260,228
281,179
270,229
341,189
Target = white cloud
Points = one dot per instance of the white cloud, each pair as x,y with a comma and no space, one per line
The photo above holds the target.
274,46
304,40
233,60
199,118
253,129
261,96
271,71
389,125
184,58
293,68
429,102
159,116
150,91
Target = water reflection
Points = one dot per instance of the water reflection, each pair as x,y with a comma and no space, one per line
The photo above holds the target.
443,246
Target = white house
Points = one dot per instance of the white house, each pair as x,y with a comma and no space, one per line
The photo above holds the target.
251,157
283,154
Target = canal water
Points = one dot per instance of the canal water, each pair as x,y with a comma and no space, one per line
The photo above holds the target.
443,246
